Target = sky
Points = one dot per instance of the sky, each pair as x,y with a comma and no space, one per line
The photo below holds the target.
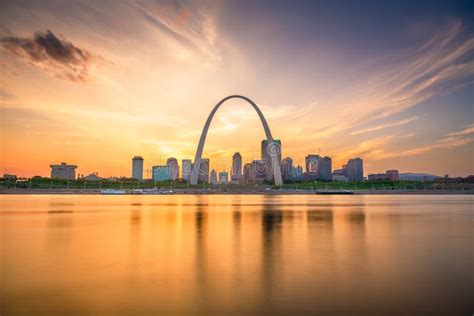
94,83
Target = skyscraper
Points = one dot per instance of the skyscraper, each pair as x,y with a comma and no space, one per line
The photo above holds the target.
236,167
324,170
287,169
137,168
223,177
266,158
311,164
355,169
204,170
172,163
213,177
187,167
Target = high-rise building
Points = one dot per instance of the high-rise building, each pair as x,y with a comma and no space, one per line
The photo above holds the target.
172,163
392,175
355,169
236,167
312,162
246,172
63,171
298,173
204,170
161,173
266,156
187,167
137,168
324,170
287,169
213,177
258,171
223,177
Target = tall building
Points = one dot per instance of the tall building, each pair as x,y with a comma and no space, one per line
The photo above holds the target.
187,167
266,157
204,170
63,171
213,177
137,168
246,172
287,169
223,177
392,175
298,173
172,163
161,173
258,171
324,170
311,164
236,167
355,169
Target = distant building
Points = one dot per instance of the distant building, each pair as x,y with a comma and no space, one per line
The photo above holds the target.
258,171
376,177
324,169
137,168
213,177
172,163
161,173
236,167
311,166
340,172
339,177
392,175
223,177
7,176
266,151
298,173
287,169
204,170
246,172
355,169
92,177
187,167
63,171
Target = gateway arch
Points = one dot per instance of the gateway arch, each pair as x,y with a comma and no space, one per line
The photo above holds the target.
273,148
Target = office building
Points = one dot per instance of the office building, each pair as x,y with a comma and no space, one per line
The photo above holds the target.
339,177
355,169
258,171
376,177
223,177
287,169
266,155
246,172
311,164
236,167
213,177
204,170
298,173
161,173
137,168
63,171
172,163
187,169
324,169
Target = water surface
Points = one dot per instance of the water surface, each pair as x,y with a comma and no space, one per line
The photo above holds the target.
235,254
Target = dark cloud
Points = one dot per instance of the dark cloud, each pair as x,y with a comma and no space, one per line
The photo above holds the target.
49,52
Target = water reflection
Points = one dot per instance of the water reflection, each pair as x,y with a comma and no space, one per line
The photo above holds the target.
236,254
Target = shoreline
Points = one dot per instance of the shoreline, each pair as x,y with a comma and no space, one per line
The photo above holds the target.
239,192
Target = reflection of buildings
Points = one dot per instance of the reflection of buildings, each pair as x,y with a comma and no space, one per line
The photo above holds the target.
137,168
63,171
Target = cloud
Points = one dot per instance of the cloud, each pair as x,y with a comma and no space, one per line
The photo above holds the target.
51,53
387,125
469,129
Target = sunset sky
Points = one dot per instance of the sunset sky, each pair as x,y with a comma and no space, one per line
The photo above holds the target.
94,83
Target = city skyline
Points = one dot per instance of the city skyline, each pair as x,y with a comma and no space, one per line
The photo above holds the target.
397,92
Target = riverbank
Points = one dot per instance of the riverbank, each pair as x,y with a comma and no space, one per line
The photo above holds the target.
236,192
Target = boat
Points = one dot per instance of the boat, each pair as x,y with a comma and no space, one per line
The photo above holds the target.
112,191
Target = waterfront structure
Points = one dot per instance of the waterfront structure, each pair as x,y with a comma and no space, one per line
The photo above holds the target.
161,173
172,163
63,171
376,177
267,150
187,168
203,170
213,178
392,175
287,169
236,173
355,169
92,177
223,177
137,168
275,162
